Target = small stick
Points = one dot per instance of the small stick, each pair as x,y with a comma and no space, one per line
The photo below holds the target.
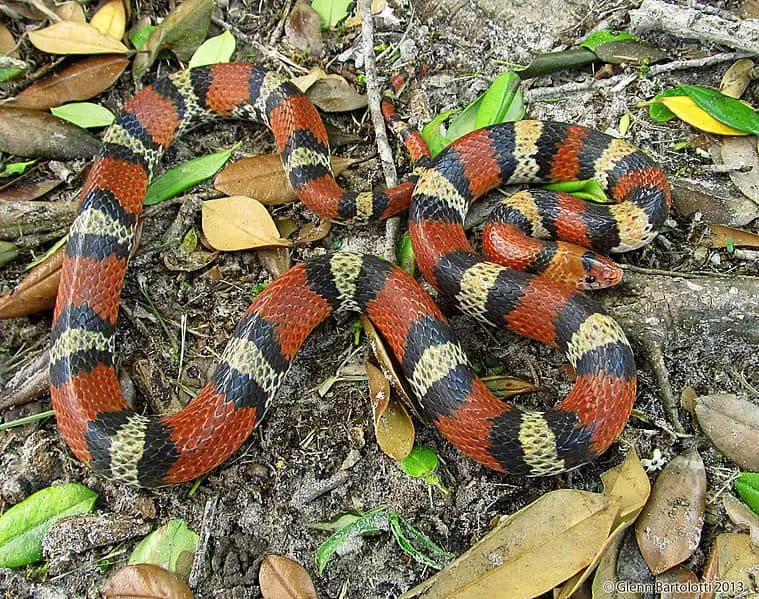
198,564
392,225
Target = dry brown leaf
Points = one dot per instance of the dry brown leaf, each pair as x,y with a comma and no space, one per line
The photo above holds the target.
628,484
669,527
742,516
70,37
732,425
282,578
733,564
737,78
333,94
384,359
678,576
606,573
263,177
276,261
303,29
36,291
740,153
78,81
721,236
110,19
29,191
305,81
393,426
309,233
239,223
7,43
71,11
716,203
530,552
37,134
145,580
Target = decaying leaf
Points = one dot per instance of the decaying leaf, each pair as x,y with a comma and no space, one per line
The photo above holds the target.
669,528
530,552
73,37
29,191
678,576
110,19
732,425
742,516
722,236
628,484
78,81
737,78
741,154
734,564
36,134
145,580
36,292
239,223
182,31
263,177
383,358
717,203
305,81
277,260
309,233
392,424
334,94
172,547
303,28
282,578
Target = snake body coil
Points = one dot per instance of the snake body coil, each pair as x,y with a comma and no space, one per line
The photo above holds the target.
104,433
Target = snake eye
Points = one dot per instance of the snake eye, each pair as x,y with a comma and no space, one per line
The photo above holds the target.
590,279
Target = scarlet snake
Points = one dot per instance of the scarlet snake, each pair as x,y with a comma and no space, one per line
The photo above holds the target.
103,432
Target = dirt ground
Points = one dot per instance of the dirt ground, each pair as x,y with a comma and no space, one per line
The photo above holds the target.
246,507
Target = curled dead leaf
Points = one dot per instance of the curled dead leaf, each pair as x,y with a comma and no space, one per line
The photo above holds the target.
669,528
737,78
145,580
78,81
393,426
530,552
36,134
384,359
239,223
282,578
73,37
732,425
263,177
333,94
37,291
305,81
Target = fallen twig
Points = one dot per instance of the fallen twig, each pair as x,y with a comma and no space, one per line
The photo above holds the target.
380,133
207,527
696,23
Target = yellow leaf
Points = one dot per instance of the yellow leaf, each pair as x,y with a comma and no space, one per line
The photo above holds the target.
110,20
687,110
239,223
71,37
530,552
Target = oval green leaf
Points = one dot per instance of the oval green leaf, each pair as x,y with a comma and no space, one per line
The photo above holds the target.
497,100
420,462
331,12
747,486
214,50
172,547
725,109
597,38
433,135
175,180
84,114
24,525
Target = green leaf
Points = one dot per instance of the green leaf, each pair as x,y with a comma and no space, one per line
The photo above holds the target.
214,50
331,12
172,547
8,252
189,243
370,522
597,38
502,102
588,189
84,114
432,133
725,109
24,525
140,37
407,536
340,520
16,168
658,111
422,463
747,486
497,100
8,73
406,257
175,180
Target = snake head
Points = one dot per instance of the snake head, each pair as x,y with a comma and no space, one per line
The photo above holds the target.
599,272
